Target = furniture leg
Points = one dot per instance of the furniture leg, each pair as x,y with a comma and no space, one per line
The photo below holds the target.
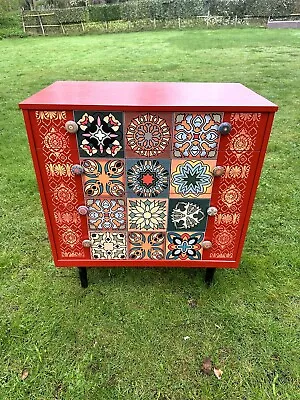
83,277
209,275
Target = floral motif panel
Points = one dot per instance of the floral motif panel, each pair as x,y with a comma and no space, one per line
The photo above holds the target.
106,214
191,178
100,134
184,246
196,135
108,245
187,215
148,135
148,178
147,214
103,177
145,245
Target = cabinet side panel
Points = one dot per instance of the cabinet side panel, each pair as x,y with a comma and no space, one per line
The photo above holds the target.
56,153
232,191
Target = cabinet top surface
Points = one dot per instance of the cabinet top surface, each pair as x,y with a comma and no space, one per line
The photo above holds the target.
173,96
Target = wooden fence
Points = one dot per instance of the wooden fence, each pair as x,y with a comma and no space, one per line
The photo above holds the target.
34,22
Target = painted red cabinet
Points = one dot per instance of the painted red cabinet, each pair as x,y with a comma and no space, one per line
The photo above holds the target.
147,174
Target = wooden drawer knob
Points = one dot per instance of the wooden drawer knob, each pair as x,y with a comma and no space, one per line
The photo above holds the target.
77,169
225,128
219,170
86,243
71,126
206,244
212,211
82,210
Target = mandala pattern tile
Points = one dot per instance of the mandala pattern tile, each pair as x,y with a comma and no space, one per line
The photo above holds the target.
108,245
147,214
103,177
148,178
196,135
106,214
191,178
146,245
100,134
187,215
148,135
184,246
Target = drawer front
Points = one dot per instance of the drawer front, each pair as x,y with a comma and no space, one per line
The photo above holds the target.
145,185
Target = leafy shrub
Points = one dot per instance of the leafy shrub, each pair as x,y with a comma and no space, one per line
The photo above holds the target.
109,12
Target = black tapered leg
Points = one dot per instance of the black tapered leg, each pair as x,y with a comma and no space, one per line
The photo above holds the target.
209,275
83,277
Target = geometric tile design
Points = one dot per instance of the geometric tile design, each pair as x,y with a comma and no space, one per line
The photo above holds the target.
183,246
106,214
103,177
191,178
148,178
148,135
147,214
146,245
196,135
108,245
100,134
187,215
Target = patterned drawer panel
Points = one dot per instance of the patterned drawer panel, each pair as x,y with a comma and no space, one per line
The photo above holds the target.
147,182
63,189
246,134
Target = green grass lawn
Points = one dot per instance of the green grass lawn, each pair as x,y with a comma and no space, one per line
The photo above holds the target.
123,337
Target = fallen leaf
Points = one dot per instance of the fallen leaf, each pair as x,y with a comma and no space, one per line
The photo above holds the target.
24,374
192,303
218,373
206,366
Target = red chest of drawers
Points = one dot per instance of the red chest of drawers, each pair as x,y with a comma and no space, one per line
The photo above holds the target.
147,174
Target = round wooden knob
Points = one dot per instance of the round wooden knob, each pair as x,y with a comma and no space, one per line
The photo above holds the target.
212,211
225,128
206,244
77,169
219,170
86,243
82,210
71,126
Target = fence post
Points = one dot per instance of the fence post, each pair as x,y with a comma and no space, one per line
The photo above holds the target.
179,24
207,18
236,19
154,23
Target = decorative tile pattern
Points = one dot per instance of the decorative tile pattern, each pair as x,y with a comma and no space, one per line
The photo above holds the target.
191,178
183,246
147,214
187,215
148,135
196,135
108,245
100,134
61,182
104,177
106,214
146,245
148,178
